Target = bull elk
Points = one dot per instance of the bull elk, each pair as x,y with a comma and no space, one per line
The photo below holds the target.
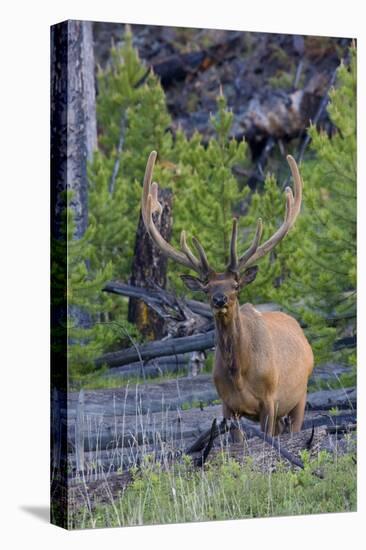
262,360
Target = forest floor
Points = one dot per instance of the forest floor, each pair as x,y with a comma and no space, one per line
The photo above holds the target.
193,63
127,445
236,482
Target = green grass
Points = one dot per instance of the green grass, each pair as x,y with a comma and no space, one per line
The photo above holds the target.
224,489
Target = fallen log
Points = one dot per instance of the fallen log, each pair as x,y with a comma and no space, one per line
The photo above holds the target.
332,421
99,460
120,458
161,348
140,405
151,369
344,398
343,428
175,427
111,432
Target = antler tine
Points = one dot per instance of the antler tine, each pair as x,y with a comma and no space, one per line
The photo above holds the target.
298,185
150,189
204,262
187,251
156,206
233,263
293,206
253,247
149,205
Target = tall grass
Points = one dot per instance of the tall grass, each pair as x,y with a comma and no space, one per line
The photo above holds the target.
223,489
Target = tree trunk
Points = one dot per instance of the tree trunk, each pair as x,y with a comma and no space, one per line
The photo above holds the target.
73,140
73,119
88,77
81,118
149,268
73,127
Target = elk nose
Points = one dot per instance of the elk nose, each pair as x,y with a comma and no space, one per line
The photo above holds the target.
219,300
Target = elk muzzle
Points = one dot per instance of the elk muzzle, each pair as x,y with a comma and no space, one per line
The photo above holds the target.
219,300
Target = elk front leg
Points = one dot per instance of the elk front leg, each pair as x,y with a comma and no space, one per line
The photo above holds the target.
236,435
267,417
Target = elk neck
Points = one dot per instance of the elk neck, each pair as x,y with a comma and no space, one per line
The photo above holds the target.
232,340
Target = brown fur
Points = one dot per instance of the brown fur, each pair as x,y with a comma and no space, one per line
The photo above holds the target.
262,364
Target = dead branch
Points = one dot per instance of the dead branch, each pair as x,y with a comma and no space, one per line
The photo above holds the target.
212,433
311,438
157,297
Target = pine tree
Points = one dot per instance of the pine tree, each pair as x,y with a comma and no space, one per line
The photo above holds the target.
330,251
206,193
312,273
84,293
132,120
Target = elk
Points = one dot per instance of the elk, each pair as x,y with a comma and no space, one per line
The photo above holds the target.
262,359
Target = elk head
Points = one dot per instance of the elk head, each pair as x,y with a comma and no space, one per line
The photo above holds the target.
221,288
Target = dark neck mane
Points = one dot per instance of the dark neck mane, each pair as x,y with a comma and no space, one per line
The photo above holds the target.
229,338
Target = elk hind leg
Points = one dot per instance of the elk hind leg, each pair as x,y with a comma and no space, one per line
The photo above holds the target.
296,415
280,426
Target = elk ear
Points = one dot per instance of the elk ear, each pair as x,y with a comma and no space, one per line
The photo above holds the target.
193,283
248,276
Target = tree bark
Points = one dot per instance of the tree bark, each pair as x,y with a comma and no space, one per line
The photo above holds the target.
73,140
81,117
73,129
88,78
73,119
149,268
